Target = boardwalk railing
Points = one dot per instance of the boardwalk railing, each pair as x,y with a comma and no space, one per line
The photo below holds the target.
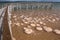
32,6
9,21
2,12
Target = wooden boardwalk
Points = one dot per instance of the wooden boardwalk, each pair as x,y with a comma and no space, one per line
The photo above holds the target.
6,32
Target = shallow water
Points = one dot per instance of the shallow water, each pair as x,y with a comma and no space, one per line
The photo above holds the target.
18,32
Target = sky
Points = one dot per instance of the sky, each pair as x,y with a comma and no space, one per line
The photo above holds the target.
33,0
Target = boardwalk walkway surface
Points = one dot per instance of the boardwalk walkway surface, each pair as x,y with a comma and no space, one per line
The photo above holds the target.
2,13
6,32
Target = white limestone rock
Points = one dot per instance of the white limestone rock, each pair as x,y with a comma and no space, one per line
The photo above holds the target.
43,18
37,24
41,22
44,23
49,20
14,16
53,20
47,29
35,18
18,24
21,16
57,18
57,31
26,22
29,26
25,18
13,38
39,28
32,24
28,31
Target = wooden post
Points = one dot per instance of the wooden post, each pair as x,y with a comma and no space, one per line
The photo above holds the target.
20,6
27,6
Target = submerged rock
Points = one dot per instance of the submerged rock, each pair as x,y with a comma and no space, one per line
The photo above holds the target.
41,22
37,24
14,16
39,28
18,24
33,25
27,30
47,29
57,31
